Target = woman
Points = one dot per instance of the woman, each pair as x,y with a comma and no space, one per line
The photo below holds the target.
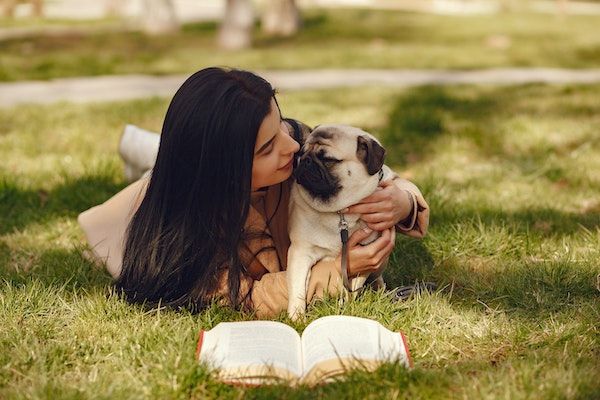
211,220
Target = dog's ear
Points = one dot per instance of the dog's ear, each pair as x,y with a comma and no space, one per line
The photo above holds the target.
300,130
371,153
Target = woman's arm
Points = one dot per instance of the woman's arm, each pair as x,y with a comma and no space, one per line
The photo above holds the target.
396,202
416,222
270,295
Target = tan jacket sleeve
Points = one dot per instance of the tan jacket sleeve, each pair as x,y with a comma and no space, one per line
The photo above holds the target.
270,296
221,294
104,225
417,226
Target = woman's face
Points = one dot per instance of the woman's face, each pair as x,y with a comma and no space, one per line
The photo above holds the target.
274,151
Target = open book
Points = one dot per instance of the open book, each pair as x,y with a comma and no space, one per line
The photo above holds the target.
258,352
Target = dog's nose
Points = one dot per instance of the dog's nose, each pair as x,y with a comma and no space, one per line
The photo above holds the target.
303,162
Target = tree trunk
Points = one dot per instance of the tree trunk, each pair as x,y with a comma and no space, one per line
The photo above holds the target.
114,8
37,7
236,28
281,18
9,8
159,17
562,7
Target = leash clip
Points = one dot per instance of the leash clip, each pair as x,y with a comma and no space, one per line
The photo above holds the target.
343,227
343,224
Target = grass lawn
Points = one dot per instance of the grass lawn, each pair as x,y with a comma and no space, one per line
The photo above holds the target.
345,38
512,175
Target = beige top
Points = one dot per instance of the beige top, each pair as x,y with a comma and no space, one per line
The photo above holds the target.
104,226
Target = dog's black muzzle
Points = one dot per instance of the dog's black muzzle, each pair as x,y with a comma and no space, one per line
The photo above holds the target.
316,178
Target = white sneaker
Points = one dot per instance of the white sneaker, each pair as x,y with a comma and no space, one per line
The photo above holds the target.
138,149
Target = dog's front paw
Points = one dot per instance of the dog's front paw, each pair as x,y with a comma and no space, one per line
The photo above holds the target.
296,310
377,284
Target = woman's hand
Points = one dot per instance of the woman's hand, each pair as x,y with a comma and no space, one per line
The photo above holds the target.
368,259
384,208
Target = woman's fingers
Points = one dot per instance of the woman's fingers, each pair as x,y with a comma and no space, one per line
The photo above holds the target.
376,217
379,221
358,236
385,252
386,248
364,208
381,226
381,242
366,259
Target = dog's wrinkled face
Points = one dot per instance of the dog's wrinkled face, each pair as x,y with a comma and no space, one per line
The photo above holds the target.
338,166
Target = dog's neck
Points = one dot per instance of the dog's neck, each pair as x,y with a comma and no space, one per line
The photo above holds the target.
324,207
328,215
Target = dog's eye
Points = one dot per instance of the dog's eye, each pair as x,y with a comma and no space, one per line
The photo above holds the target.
331,160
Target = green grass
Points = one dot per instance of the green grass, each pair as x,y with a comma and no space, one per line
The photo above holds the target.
329,39
512,175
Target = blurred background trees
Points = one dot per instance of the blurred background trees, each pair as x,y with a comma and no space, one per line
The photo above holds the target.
278,18
8,7
281,17
159,17
158,37
236,28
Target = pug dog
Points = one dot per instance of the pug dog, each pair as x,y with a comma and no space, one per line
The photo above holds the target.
337,166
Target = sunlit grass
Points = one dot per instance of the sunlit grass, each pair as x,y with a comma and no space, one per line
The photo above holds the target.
512,177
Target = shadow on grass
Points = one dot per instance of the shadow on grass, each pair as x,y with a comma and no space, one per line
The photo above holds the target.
544,223
499,270
21,206
63,268
421,119
423,115
411,261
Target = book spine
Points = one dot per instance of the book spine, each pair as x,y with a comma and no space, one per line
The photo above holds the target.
405,343
199,347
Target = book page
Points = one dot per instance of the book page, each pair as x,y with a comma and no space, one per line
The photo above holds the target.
345,339
248,348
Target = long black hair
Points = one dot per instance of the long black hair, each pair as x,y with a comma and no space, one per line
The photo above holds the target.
189,225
